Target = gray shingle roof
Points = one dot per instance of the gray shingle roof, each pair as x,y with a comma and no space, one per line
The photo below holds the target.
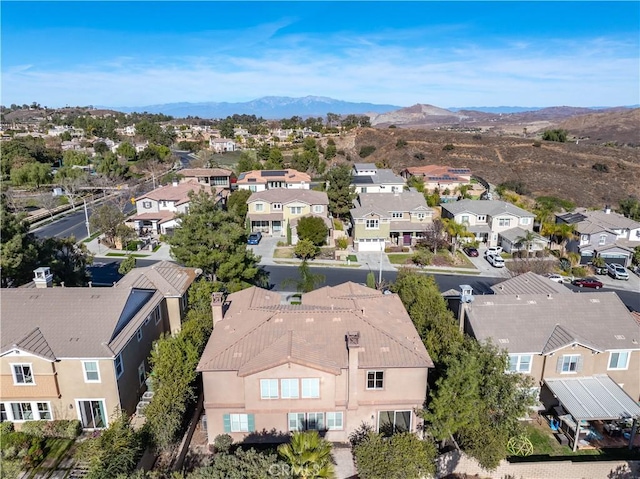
524,323
169,278
529,283
384,204
485,207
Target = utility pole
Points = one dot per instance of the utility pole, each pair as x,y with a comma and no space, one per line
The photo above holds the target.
86,218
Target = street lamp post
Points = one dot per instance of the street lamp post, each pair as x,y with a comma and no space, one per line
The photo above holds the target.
86,218
380,271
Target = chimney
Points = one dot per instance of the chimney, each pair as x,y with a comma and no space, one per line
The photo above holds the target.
607,209
217,301
43,277
174,183
466,297
353,349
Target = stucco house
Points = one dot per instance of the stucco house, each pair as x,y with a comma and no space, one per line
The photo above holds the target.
221,145
272,211
260,180
602,233
438,177
496,223
397,219
218,177
82,353
346,355
368,178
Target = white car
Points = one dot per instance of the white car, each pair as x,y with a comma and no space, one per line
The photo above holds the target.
495,260
558,278
617,271
493,250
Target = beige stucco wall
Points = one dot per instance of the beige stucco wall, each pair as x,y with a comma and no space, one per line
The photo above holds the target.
266,207
172,313
360,229
286,210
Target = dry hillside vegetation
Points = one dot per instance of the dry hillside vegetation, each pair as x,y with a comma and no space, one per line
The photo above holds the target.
564,170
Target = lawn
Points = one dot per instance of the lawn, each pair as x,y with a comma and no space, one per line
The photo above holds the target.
283,252
135,255
399,258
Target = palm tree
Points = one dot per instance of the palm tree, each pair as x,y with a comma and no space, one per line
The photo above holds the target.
455,231
308,455
527,239
564,232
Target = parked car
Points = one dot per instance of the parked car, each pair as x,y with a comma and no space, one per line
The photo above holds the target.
558,278
254,238
617,271
589,282
493,250
495,260
470,251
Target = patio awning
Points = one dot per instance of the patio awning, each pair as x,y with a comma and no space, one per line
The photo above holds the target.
594,398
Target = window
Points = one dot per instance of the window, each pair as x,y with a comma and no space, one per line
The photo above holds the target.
295,210
334,421
289,388
375,379
300,421
253,188
390,422
315,421
142,373
44,411
318,208
296,421
139,334
311,387
504,222
525,221
602,240
372,224
163,203
3,413
520,363
22,374
239,422
259,207
146,205
464,219
156,312
619,360
91,372
22,411
268,389
92,414
119,366
363,189
481,218
397,214
570,363
421,216
276,206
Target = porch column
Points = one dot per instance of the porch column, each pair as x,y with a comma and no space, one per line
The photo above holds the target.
634,425
576,437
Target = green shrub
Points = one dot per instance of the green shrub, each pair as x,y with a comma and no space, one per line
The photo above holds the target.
5,428
401,143
555,135
601,167
342,243
366,151
223,443
338,225
448,147
537,144
35,453
421,258
132,246
62,428
14,444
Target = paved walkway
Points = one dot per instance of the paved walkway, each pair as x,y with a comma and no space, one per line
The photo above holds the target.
455,462
101,251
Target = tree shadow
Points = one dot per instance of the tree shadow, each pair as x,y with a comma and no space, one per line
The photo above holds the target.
266,437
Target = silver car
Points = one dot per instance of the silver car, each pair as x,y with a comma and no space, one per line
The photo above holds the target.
617,271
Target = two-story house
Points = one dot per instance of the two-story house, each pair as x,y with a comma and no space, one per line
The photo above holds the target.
217,177
82,353
346,355
156,210
398,219
273,211
260,180
367,178
568,343
438,177
602,233
496,223
221,145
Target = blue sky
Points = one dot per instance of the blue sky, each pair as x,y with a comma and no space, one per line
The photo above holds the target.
449,54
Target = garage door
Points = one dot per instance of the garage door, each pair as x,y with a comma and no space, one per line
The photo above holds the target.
370,244
617,259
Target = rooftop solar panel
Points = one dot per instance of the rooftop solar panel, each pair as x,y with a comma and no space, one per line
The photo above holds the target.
362,180
273,173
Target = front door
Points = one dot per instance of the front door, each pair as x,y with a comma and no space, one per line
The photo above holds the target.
407,239
92,414
277,228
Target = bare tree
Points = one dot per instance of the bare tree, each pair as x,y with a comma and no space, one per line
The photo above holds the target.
48,202
533,264
71,185
434,236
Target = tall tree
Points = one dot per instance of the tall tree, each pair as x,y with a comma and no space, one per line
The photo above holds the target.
308,280
339,190
237,203
215,241
455,231
308,455
313,229
67,259
275,160
18,248
106,219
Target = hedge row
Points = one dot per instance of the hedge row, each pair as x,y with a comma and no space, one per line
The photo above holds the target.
63,428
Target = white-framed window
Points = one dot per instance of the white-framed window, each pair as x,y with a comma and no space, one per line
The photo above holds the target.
318,208
315,421
22,411
259,207
163,203
44,410
397,214
276,206
25,411
146,205
92,413
570,363
464,219
525,221
504,221
390,422
118,365
372,224
334,421
142,373
239,422
296,421
375,379
91,371
310,388
289,389
421,216
253,188
295,210
268,389
22,374
520,363
619,360
363,189
481,218
602,240
3,413
156,312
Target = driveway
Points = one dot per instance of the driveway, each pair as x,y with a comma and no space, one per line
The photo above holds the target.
485,267
265,248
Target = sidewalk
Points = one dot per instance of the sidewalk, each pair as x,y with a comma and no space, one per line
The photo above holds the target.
101,251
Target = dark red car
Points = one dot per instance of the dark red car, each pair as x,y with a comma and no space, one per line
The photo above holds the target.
470,251
587,283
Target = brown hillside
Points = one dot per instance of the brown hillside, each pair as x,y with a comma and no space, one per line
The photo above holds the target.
621,127
559,169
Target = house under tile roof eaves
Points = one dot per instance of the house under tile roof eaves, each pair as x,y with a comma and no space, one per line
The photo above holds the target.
169,278
485,207
288,195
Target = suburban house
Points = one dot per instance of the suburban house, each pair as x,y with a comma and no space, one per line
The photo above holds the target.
272,211
218,177
398,219
260,180
82,353
495,223
437,177
602,233
221,145
367,178
345,355
582,350
156,210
